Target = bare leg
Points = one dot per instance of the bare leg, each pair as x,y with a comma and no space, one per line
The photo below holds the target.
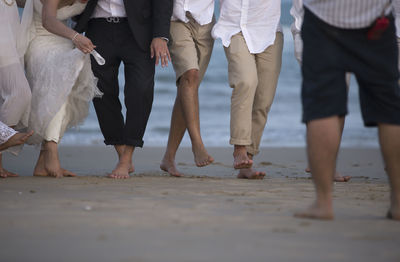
176,132
250,173
120,151
121,171
323,140
4,173
48,163
189,100
338,177
240,158
389,138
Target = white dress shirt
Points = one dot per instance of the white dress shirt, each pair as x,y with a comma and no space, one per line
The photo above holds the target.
108,8
258,20
349,14
396,5
201,10
297,11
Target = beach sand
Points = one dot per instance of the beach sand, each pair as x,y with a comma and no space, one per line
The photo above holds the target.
207,216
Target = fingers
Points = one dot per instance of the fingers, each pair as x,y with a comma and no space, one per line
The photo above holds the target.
26,136
158,56
151,51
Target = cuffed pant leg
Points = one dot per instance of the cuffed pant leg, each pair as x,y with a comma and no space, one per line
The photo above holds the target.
57,126
268,68
243,79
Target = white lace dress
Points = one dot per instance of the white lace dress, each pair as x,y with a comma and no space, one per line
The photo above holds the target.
15,93
59,74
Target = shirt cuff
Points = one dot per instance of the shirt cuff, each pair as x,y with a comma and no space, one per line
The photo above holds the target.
166,39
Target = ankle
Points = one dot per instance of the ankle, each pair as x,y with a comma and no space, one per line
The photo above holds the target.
239,150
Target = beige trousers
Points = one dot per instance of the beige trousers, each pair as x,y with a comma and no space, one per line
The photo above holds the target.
57,125
254,78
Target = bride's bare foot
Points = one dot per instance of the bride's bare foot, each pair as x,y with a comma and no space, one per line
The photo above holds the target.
337,178
121,171
315,211
250,173
170,167
240,158
201,157
48,163
15,140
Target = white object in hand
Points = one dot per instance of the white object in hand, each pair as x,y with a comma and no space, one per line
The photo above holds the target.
99,59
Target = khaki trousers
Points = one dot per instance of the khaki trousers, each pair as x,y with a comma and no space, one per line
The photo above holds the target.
254,78
190,46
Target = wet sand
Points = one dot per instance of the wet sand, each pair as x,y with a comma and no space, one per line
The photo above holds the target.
207,216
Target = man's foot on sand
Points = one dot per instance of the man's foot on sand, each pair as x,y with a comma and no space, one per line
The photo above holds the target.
337,178
250,173
316,212
393,214
201,157
53,173
170,168
121,171
5,173
15,140
241,160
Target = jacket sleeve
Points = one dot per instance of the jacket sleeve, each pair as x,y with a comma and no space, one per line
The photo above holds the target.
162,12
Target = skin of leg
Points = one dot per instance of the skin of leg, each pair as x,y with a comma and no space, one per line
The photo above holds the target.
243,80
188,38
125,163
389,138
189,100
120,151
4,173
176,133
323,140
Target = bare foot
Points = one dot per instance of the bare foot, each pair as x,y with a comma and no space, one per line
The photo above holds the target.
170,167
201,157
15,140
250,173
240,158
323,212
394,215
48,165
337,178
121,171
4,173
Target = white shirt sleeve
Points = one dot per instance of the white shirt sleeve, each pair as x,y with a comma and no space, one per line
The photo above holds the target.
297,11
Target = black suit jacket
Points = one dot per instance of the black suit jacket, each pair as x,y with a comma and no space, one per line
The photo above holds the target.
147,19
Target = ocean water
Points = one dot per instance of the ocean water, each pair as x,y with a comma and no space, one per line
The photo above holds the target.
284,127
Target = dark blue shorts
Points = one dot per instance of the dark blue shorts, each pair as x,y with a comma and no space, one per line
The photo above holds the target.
329,52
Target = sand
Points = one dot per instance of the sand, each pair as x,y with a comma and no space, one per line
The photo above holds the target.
207,216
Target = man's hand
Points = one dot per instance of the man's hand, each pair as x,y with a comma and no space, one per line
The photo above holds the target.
159,49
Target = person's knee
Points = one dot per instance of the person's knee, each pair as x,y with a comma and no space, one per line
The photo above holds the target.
190,78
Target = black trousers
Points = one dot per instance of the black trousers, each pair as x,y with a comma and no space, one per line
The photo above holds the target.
116,43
